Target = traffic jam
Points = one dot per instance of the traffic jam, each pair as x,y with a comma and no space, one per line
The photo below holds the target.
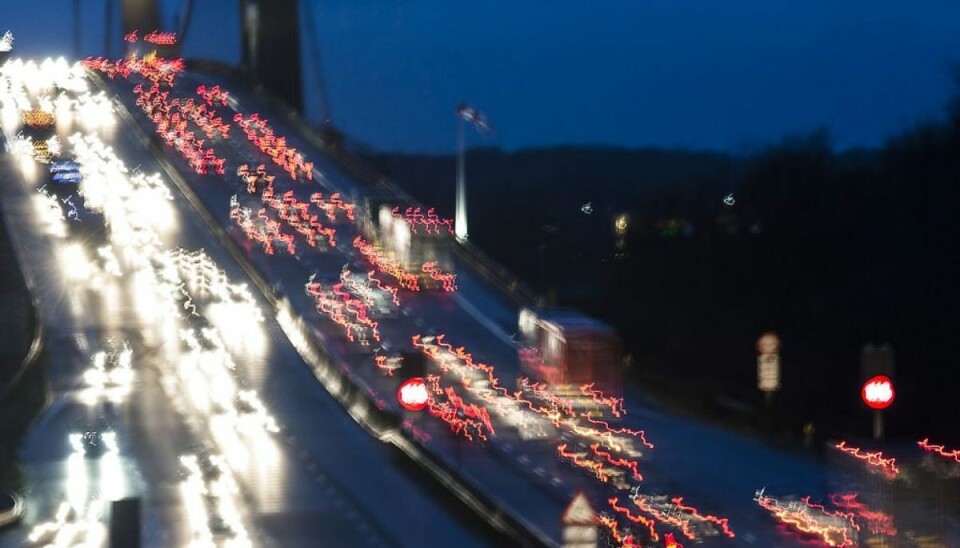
366,267
110,223
392,256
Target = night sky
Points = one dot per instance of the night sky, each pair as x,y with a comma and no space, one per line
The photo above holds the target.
688,73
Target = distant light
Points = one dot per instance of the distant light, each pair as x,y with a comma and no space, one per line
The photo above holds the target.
587,208
621,223
479,120
729,199
878,392
768,343
413,394
161,38
6,41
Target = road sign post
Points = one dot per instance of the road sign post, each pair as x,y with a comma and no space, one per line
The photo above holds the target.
579,523
878,425
876,360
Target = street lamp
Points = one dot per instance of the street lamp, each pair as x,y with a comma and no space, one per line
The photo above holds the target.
465,113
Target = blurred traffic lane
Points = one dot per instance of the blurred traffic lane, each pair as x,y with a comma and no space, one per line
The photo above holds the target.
285,505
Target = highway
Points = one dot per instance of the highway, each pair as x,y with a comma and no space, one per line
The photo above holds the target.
717,471
322,472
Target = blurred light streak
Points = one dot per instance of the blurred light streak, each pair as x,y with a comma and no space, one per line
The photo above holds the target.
877,522
46,528
614,404
623,540
192,489
263,137
74,263
887,466
214,96
344,310
723,523
160,38
387,365
447,280
77,484
50,213
386,265
635,518
630,465
431,221
940,450
596,468
833,529
112,479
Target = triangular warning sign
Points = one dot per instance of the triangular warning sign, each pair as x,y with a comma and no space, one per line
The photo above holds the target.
579,512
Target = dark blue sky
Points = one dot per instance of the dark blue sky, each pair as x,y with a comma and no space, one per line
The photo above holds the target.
691,73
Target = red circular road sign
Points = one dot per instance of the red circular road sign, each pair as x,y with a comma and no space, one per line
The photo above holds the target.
878,392
413,394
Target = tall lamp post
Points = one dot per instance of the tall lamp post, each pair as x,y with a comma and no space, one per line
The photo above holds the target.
465,113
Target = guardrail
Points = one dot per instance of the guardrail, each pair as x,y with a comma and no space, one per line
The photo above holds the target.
11,510
338,381
36,343
33,352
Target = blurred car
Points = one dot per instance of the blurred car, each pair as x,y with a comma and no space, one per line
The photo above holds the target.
111,369
94,444
42,152
65,173
38,124
383,307
255,179
211,466
379,302
84,225
220,528
250,411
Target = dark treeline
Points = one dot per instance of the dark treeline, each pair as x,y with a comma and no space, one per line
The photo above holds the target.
830,250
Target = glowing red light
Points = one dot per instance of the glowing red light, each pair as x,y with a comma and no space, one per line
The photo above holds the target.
939,450
413,394
888,466
635,518
834,528
161,38
878,392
